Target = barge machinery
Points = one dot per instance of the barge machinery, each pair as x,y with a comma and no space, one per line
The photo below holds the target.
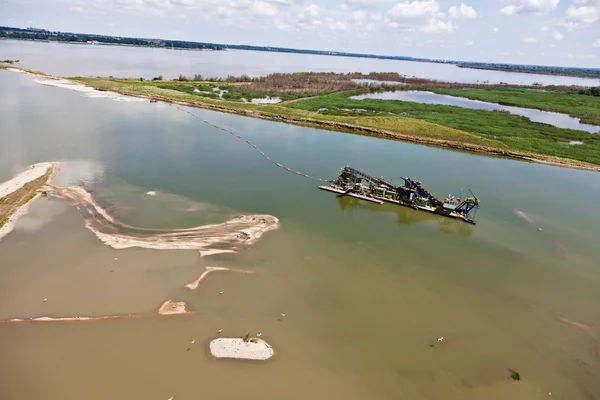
351,182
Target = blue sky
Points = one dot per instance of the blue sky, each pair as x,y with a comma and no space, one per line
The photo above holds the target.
549,32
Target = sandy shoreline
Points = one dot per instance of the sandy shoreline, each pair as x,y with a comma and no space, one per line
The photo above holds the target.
89,91
18,183
32,173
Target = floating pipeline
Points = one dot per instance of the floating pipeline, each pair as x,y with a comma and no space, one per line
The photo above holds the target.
251,144
349,183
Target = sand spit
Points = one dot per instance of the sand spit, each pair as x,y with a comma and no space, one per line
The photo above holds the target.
224,237
90,92
194,285
237,348
169,307
18,192
32,173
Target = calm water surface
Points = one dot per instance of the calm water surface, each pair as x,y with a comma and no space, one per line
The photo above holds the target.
366,289
123,61
551,118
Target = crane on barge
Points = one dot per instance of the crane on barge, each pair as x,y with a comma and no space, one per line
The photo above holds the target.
354,183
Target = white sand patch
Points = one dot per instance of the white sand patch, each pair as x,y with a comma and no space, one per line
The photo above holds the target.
204,253
237,348
16,70
90,92
194,284
81,195
171,307
266,100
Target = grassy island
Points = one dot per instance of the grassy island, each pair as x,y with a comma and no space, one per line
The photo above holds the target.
324,100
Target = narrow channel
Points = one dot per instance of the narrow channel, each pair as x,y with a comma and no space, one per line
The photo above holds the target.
555,119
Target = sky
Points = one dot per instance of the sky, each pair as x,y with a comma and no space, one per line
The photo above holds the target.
544,32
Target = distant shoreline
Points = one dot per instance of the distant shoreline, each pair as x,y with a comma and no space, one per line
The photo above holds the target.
83,38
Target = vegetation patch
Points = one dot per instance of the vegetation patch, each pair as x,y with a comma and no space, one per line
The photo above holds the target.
497,133
514,131
562,100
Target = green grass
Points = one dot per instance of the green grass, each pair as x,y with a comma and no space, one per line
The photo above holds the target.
566,101
516,132
235,91
404,119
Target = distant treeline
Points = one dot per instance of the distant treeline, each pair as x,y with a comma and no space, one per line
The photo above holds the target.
41,34
535,69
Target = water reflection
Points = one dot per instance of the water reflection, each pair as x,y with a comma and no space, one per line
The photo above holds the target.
407,216
555,119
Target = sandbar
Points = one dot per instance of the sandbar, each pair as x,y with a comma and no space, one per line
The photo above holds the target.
194,284
171,307
237,348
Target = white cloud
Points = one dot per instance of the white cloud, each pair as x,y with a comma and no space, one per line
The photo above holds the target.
556,35
338,26
530,7
578,17
597,43
417,9
368,2
435,26
545,28
529,40
358,16
495,30
263,9
462,11
421,15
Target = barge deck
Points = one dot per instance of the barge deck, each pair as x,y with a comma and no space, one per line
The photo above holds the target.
353,183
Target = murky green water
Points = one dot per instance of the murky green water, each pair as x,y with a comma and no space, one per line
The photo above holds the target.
366,289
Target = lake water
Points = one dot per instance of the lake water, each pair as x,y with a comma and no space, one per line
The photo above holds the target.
366,289
551,118
121,61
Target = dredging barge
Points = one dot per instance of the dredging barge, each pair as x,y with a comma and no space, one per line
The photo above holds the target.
351,182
